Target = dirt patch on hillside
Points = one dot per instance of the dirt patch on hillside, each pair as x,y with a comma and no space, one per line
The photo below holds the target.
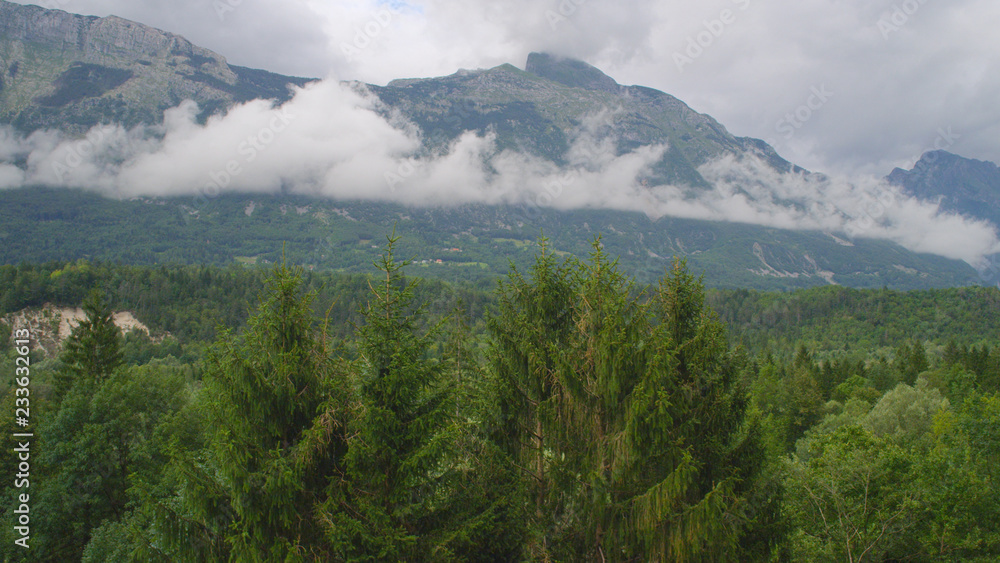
50,326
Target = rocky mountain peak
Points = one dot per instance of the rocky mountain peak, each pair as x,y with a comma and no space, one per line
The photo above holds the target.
570,72
95,37
961,185
66,71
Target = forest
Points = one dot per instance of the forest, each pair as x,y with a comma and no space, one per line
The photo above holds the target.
569,414
469,244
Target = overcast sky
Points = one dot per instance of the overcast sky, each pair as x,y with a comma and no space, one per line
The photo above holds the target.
887,79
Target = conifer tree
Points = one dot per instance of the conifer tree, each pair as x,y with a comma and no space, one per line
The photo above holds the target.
700,500
93,350
275,407
399,439
911,361
607,357
626,418
529,328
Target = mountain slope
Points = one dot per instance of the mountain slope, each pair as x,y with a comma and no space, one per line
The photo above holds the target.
70,72
539,109
473,242
963,185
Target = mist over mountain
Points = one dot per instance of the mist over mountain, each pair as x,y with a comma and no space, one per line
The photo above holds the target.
961,185
122,109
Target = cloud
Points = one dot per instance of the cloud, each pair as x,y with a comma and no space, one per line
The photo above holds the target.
747,190
934,66
336,140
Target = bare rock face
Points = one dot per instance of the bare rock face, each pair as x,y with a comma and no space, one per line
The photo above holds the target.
60,70
570,72
50,326
96,39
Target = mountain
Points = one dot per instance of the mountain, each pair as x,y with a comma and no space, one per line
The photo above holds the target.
474,243
538,109
966,186
70,72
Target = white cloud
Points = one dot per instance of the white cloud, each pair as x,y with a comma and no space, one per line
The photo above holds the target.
894,90
335,140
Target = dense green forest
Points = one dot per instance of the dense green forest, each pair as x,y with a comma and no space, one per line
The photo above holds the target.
568,414
468,244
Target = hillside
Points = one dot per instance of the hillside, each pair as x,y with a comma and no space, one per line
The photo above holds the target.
69,72
963,185
474,242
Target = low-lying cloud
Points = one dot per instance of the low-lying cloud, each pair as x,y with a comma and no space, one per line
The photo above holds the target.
336,140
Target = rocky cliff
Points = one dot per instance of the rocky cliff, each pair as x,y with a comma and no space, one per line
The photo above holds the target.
962,185
541,108
71,72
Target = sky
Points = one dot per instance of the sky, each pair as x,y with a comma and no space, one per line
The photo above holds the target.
897,77
844,87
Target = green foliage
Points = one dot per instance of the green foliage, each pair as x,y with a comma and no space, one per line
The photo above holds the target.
324,235
847,502
910,361
93,351
839,319
94,447
959,498
189,303
902,480
856,387
624,414
906,414
530,324
400,436
275,405
594,420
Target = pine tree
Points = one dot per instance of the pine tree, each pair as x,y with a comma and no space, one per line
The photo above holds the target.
275,407
93,351
529,328
400,437
626,418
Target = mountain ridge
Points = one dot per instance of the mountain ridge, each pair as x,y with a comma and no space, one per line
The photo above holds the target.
71,72
539,108
76,71
962,185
